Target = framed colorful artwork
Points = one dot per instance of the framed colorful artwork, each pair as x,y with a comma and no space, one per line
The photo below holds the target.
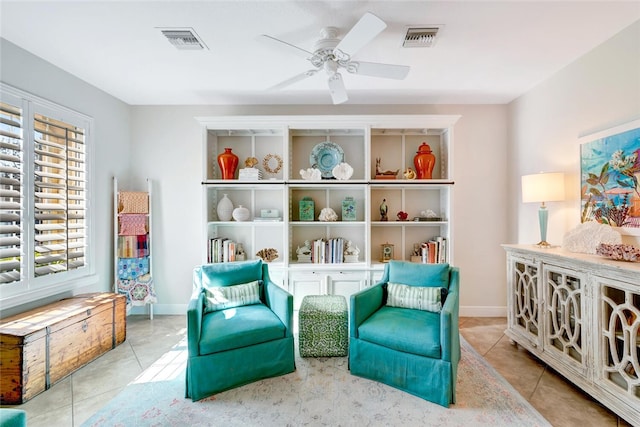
610,177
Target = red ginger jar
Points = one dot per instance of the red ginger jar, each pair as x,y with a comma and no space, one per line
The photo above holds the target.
228,163
424,161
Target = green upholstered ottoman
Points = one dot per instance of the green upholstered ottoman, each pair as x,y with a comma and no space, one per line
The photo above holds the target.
323,322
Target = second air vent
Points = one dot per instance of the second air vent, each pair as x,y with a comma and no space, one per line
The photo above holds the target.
420,37
184,38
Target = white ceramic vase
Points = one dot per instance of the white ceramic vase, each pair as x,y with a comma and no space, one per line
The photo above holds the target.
225,209
241,213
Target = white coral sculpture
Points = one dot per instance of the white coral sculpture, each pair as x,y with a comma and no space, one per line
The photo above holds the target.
342,171
586,237
328,215
311,174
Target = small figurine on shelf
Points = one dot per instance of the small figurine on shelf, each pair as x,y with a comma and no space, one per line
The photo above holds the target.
415,255
240,254
250,172
416,249
304,252
250,162
384,174
409,174
351,252
383,210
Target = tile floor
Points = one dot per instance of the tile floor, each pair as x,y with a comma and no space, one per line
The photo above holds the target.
73,400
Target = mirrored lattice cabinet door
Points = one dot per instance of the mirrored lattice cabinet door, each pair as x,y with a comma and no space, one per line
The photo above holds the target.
620,328
564,308
524,303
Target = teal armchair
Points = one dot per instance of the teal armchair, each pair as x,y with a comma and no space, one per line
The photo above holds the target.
13,417
231,347
416,350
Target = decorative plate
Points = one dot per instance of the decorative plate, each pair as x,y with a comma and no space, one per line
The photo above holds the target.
325,156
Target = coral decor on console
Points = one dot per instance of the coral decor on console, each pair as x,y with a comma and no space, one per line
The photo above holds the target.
619,252
586,236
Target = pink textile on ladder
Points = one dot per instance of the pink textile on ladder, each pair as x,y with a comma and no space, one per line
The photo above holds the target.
133,224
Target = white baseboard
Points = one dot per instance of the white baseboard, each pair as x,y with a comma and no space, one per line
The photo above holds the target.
160,310
480,311
178,309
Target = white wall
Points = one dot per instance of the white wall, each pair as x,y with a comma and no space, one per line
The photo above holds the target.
596,92
25,71
167,147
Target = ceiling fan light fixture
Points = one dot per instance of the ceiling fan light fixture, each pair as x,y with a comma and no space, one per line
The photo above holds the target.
421,36
330,67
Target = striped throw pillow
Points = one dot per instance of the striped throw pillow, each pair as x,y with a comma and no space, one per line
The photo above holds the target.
221,297
415,297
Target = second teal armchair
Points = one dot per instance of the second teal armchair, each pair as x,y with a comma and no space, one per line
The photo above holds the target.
238,334
401,333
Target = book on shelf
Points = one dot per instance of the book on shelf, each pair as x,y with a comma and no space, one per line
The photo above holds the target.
221,249
327,251
433,251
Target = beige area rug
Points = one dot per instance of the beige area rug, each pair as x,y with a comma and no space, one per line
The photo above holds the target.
321,392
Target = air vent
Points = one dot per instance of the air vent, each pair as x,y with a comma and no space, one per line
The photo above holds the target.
420,37
184,38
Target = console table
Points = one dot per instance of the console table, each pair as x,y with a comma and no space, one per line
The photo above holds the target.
580,314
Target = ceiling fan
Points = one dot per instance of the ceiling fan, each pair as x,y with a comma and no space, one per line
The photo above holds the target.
332,54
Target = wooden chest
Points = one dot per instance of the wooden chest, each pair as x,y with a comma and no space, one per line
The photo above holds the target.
42,346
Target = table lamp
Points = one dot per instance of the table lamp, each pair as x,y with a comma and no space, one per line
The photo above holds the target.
543,187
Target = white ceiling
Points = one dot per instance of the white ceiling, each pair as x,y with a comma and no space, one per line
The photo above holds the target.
486,52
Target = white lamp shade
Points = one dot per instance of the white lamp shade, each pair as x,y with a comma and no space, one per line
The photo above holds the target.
543,187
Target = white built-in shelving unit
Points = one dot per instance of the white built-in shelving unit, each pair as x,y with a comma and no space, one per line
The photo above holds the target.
394,139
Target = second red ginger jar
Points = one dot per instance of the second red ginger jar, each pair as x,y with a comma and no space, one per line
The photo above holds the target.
424,161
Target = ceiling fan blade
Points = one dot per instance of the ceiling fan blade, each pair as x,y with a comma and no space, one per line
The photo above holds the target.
292,80
337,89
374,69
281,44
365,30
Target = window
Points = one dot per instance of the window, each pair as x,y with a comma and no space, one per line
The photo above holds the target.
44,190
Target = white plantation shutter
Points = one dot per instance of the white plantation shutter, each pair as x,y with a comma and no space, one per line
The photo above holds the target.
45,226
59,196
11,202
